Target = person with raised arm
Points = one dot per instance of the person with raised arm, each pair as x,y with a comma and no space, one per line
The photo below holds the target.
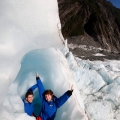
50,103
28,101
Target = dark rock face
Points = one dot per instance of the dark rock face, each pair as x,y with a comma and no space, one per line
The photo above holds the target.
98,20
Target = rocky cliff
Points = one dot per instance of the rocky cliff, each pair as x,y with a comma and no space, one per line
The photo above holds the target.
93,22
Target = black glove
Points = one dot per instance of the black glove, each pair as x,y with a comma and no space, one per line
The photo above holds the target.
69,92
37,78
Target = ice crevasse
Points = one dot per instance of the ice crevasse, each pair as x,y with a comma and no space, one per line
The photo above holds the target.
30,39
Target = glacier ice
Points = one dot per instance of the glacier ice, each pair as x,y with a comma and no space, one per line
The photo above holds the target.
88,81
99,86
25,26
55,74
117,80
30,41
104,74
100,110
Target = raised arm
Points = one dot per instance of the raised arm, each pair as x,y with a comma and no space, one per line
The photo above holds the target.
61,100
32,88
40,86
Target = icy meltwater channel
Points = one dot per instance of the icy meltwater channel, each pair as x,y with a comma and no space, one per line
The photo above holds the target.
55,74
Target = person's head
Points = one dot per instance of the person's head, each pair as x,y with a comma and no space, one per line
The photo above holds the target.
29,96
48,95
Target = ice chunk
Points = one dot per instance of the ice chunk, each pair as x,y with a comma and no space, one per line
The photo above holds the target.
100,110
105,75
65,49
54,71
88,81
117,80
112,93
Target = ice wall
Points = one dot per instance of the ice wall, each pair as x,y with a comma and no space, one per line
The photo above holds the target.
55,74
28,25
25,25
28,28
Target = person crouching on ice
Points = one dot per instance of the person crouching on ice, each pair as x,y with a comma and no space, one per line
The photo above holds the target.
28,101
50,103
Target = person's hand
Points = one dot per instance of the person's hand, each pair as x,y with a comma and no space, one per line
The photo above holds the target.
37,74
72,87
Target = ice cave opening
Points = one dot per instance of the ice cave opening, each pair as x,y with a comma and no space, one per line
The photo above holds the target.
47,63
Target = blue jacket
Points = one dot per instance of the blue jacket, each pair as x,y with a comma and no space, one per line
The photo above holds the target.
49,109
29,107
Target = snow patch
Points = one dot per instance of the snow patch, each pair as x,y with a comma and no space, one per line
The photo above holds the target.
98,54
